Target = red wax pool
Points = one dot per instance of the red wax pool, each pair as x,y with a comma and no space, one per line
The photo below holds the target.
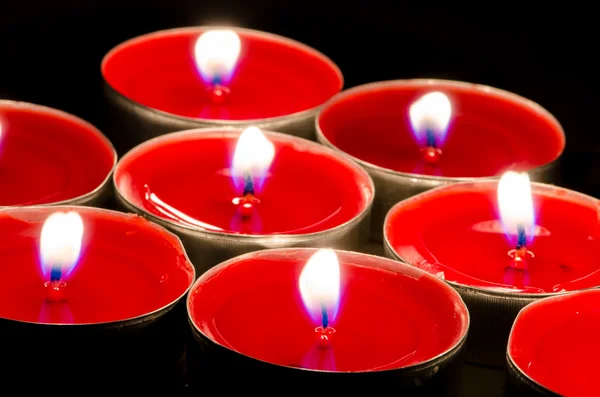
390,315
490,130
555,343
274,76
455,232
185,178
47,156
128,267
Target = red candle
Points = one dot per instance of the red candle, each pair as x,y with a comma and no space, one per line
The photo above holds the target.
329,311
502,245
78,265
413,135
247,188
48,157
201,76
554,344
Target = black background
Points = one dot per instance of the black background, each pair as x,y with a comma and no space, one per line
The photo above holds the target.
50,52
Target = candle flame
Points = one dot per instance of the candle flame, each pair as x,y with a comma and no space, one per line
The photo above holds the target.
320,284
253,155
216,53
431,114
516,202
60,242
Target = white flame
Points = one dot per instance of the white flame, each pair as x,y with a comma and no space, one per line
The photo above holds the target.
515,201
431,112
320,284
217,53
60,241
254,153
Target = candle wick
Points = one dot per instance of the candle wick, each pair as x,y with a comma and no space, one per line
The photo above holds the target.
431,138
324,317
521,237
55,273
248,185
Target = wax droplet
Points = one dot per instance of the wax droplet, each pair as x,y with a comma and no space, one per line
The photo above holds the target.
164,278
246,205
55,291
431,155
520,257
219,94
324,336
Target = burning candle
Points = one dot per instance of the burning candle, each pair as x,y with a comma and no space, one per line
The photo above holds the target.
215,76
51,157
339,318
415,135
502,245
90,293
227,192
553,346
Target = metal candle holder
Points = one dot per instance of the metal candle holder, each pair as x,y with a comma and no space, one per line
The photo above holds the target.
439,376
207,248
394,186
139,354
133,123
101,195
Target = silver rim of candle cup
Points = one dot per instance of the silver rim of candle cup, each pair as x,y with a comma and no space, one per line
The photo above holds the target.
219,122
525,298
391,265
117,324
257,238
509,358
93,196
533,106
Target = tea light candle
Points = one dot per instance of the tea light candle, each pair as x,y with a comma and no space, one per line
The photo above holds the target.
89,293
342,319
553,346
51,157
413,135
228,191
215,76
502,245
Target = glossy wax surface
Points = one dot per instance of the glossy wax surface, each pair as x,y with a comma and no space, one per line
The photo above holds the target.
47,156
555,342
455,232
488,134
186,178
274,76
128,267
390,316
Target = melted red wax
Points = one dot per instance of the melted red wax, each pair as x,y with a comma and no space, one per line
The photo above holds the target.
389,316
186,178
274,76
455,232
47,156
555,342
488,133
128,267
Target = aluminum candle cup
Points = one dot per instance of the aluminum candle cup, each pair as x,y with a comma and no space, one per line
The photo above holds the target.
49,157
332,321
226,192
414,135
91,298
553,347
187,78
456,233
